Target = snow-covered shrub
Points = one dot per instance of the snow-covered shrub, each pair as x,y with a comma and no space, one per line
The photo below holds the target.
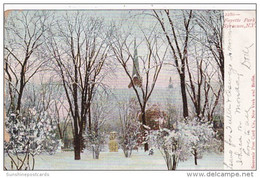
94,142
187,137
129,137
30,135
172,145
130,126
100,112
201,137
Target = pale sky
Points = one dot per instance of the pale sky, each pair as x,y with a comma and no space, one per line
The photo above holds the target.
135,20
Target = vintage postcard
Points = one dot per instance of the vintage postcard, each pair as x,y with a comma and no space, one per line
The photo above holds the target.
129,87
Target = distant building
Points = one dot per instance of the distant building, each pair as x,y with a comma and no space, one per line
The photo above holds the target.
170,83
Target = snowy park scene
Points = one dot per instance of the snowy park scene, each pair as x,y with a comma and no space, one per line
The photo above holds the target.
113,90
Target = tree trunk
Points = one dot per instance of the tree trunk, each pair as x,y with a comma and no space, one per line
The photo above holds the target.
146,146
128,153
77,147
195,157
184,96
222,72
198,110
96,152
19,100
33,164
89,119
174,165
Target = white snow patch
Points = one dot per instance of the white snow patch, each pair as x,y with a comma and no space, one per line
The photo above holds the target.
139,160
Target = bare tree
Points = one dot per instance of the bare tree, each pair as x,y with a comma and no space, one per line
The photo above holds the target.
178,44
144,81
23,56
62,117
204,88
211,22
78,47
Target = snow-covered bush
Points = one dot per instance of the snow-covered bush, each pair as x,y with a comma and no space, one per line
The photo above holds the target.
201,137
130,126
187,137
172,146
129,137
94,142
100,111
30,135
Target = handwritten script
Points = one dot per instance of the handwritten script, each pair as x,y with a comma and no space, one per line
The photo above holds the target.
240,143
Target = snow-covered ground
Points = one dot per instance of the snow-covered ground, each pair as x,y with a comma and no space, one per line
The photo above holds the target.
116,161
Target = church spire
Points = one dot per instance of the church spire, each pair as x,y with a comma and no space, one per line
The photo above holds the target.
137,80
136,71
170,83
